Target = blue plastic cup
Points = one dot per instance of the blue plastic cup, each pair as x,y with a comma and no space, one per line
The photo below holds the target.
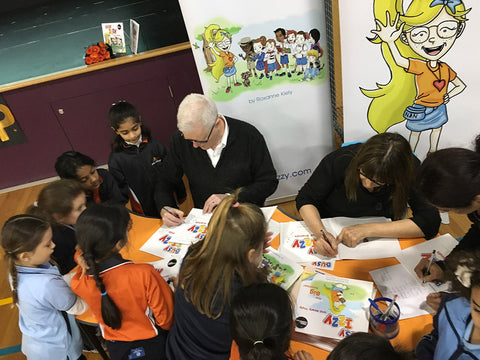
381,323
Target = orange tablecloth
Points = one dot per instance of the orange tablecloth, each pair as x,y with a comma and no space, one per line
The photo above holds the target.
411,330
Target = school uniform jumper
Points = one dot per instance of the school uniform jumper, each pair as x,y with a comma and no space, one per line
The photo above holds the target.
143,297
244,162
449,339
195,336
47,331
108,191
65,242
134,167
326,191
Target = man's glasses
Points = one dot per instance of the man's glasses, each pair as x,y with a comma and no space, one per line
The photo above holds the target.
378,183
208,137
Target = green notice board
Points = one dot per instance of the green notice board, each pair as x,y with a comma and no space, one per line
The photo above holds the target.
52,37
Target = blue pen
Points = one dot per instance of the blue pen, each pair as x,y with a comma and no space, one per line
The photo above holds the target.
375,306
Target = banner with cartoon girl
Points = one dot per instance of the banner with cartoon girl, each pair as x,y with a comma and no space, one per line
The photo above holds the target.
408,67
266,63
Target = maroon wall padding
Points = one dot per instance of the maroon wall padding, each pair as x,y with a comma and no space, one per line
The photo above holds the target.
155,86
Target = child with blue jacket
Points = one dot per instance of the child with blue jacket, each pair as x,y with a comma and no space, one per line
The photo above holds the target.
456,326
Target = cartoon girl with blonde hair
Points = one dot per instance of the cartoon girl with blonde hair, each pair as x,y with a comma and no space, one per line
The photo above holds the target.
219,41
413,46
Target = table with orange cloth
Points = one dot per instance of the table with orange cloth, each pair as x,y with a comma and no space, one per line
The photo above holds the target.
411,330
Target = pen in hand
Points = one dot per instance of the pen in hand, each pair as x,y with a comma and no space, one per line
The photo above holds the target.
326,238
427,270
172,213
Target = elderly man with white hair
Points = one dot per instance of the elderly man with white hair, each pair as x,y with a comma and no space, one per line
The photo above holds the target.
217,154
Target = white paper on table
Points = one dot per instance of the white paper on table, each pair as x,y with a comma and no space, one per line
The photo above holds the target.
164,247
297,241
372,248
274,228
443,245
283,271
268,212
412,293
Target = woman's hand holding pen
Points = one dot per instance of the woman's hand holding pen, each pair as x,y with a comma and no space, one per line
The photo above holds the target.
171,216
326,244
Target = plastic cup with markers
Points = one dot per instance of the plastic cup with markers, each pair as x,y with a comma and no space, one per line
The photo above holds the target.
384,316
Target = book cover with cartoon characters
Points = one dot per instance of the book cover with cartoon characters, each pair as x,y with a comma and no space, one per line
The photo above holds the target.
281,270
332,307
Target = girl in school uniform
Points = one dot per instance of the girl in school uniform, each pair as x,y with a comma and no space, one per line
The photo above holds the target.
134,158
61,202
131,302
456,325
212,272
261,323
45,302
99,184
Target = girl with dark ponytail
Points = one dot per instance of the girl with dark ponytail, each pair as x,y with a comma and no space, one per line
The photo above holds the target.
132,302
45,302
261,323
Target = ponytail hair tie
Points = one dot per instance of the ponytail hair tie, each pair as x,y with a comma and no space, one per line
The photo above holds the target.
35,204
258,341
235,205
104,293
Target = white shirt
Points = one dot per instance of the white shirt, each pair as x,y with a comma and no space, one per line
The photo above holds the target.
214,154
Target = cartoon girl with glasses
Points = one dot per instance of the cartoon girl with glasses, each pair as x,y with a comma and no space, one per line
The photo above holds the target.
426,31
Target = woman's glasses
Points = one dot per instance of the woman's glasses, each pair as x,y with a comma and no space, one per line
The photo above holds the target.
376,182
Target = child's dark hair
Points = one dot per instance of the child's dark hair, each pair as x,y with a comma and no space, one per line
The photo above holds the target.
99,228
463,269
222,256
450,178
118,114
56,198
261,321
68,163
21,233
282,30
365,346
315,34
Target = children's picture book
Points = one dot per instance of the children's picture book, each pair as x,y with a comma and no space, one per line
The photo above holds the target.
114,35
331,308
281,270
371,248
297,242
169,267
134,33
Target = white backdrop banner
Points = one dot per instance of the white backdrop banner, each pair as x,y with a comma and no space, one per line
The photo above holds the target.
364,67
275,80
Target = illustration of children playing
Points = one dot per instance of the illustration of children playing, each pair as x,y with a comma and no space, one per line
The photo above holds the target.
313,66
427,29
219,42
300,52
246,44
259,49
271,59
283,50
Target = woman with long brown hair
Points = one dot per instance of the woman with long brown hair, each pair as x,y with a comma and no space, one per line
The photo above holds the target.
375,178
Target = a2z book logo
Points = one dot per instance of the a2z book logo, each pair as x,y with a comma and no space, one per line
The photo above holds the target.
306,243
